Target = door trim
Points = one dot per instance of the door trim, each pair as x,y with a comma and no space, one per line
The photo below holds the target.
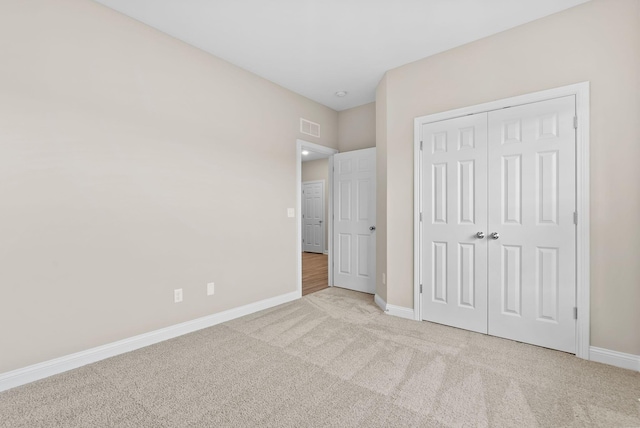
301,145
583,286
324,220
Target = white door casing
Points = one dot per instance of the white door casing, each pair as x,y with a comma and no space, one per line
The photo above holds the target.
530,185
532,200
313,223
354,181
454,190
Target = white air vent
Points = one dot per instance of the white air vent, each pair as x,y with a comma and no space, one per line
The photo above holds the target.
309,128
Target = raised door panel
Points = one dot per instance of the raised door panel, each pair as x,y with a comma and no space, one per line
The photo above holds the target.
318,234
467,275
344,204
364,210
547,282
511,280
439,193
466,192
363,255
439,272
511,189
344,253
547,202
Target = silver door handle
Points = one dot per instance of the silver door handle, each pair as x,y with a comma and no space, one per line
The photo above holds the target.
480,235
320,221
372,228
495,235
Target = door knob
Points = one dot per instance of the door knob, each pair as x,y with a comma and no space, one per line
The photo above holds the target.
495,235
372,228
480,235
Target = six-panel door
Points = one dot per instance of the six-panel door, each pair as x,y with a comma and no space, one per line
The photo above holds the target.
454,183
532,264
354,220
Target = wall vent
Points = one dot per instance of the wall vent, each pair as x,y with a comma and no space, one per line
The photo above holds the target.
309,128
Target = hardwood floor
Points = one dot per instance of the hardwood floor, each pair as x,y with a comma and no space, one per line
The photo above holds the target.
314,272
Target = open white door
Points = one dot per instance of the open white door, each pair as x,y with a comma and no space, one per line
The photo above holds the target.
313,216
354,242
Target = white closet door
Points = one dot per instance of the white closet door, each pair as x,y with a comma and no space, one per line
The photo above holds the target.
454,198
354,193
532,279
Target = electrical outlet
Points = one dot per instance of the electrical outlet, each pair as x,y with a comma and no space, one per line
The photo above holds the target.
384,278
177,295
211,289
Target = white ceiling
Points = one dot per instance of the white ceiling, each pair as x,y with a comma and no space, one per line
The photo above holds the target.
319,47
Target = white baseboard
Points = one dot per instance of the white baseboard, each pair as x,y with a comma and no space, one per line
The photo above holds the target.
68,362
396,311
400,311
615,358
45,369
325,252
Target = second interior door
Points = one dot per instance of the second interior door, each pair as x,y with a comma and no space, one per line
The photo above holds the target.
313,216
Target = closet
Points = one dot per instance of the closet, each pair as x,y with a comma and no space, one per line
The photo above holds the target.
498,234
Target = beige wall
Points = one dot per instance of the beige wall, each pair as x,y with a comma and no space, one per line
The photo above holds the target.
319,170
357,128
598,42
132,164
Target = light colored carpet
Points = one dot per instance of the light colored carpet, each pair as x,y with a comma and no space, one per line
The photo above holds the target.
331,359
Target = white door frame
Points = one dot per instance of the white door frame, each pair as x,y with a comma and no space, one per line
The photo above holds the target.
581,92
324,220
301,145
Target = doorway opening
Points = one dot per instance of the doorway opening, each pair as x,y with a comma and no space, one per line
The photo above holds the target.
315,226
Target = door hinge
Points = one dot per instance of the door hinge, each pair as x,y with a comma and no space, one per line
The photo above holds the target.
420,217
575,217
420,145
420,288
575,122
575,313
